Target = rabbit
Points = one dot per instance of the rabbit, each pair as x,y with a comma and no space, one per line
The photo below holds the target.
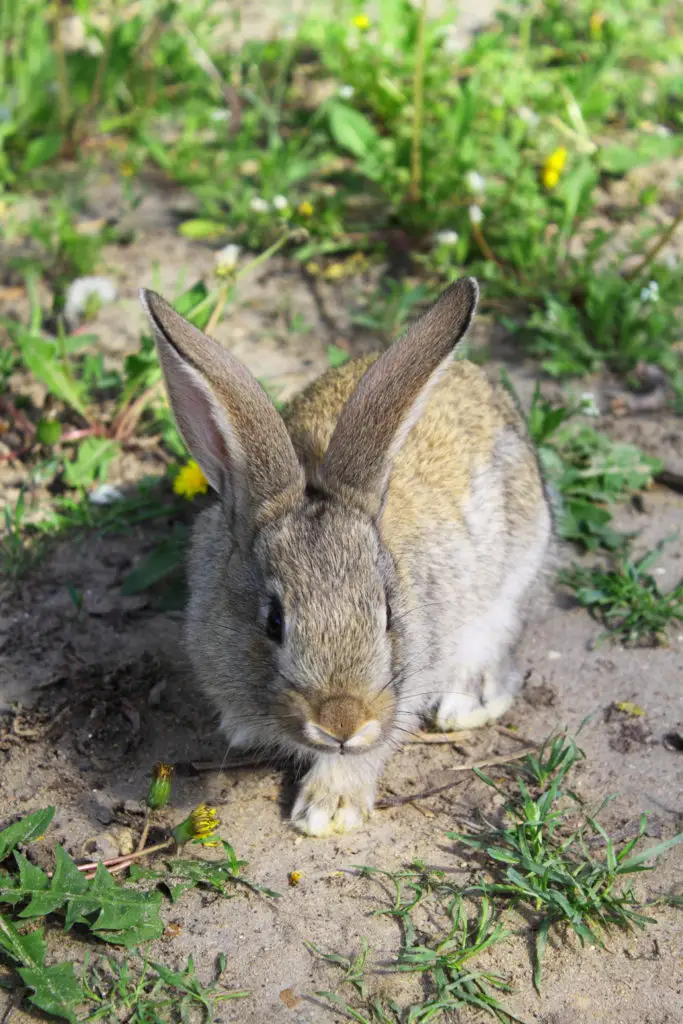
371,555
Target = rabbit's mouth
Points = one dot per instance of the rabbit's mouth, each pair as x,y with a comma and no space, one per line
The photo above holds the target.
339,724
343,741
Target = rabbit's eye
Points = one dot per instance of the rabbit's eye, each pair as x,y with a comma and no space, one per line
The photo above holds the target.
275,621
388,616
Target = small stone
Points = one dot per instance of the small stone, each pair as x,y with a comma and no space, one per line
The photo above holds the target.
554,655
133,807
126,841
105,847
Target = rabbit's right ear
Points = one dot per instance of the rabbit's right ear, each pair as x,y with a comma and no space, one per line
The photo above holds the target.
227,421
389,399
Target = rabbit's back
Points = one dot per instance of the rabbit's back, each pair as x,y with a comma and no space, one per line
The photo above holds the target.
469,428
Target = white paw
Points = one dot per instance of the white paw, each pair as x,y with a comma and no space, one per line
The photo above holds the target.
320,812
465,711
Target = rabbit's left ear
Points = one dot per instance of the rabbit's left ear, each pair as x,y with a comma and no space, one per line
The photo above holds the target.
389,399
227,421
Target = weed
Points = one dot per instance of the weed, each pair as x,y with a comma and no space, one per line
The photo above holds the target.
549,865
626,598
17,553
89,898
587,471
142,990
543,859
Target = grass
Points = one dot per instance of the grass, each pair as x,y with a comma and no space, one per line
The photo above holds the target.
627,600
550,863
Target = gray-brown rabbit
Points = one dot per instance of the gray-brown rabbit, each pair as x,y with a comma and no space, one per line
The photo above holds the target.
369,555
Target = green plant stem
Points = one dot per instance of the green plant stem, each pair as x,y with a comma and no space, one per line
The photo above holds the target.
62,71
418,104
657,247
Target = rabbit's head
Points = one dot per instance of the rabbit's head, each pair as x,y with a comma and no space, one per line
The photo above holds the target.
303,623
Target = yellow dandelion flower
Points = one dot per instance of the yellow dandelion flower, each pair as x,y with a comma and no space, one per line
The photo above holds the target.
190,481
550,177
127,169
362,22
596,22
200,826
553,167
335,271
313,268
306,208
295,877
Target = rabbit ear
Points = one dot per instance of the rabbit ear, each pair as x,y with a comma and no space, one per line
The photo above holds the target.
226,419
389,399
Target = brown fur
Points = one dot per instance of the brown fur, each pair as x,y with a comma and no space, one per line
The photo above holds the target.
393,527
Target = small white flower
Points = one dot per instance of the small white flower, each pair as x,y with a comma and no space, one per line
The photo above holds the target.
258,205
447,237
346,92
475,182
529,116
219,115
476,214
226,258
79,294
280,203
650,293
105,494
663,131
589,406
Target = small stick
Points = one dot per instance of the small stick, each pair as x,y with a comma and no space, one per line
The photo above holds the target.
439,737
504,731
145,832
501,759
125,860
397,801
218,766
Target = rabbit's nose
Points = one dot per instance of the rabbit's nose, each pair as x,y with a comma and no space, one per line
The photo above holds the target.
343,723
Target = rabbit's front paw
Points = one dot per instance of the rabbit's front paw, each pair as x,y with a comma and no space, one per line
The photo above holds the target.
464,710
319,810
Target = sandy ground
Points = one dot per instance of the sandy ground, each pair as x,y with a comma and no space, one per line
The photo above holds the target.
88,702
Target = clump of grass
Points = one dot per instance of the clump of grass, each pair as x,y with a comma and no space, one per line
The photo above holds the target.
544,858
586,469
626,598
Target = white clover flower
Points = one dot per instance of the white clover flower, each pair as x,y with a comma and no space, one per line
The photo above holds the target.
258,205
476,214
447,237
650,293
227,257
589,406
529,116
280,203
346,92
475,182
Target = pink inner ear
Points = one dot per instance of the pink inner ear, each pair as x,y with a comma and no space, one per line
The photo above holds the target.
200,419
